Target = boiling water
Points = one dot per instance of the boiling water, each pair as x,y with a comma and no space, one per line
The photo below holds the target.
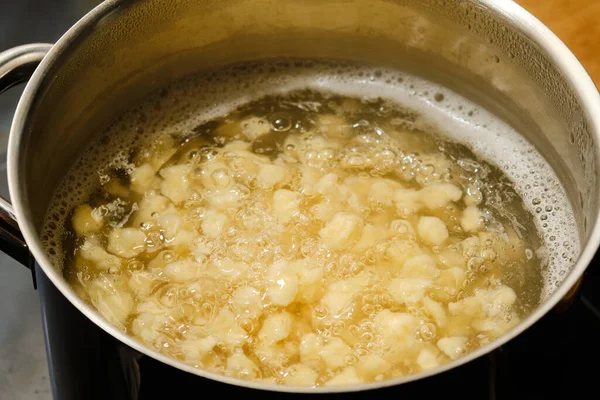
365,126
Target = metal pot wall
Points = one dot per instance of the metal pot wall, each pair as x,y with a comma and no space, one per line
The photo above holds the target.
493,52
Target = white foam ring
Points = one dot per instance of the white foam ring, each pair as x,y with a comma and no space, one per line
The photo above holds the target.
214,94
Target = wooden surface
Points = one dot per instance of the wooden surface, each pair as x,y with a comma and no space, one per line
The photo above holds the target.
575,22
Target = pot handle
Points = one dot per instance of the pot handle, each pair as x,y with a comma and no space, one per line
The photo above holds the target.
17,66
11,240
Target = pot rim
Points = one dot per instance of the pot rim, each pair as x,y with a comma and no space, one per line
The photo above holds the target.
573,72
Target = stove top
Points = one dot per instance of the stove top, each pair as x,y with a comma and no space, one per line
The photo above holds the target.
553,359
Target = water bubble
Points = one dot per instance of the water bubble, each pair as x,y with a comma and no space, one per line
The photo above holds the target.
528,254
168,255
281,122
167,296
355,160
247,325
489,255
474,263
327,154
114,271
400,226
426,169
427,331
321,312
221,177
311,155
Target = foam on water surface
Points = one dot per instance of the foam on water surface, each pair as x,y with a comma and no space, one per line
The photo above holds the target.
192,101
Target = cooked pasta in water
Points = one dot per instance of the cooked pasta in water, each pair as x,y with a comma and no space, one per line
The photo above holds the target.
305,238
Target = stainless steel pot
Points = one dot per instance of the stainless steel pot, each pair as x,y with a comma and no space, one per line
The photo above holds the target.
489,50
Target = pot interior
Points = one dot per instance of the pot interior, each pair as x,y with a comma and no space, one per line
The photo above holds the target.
127,49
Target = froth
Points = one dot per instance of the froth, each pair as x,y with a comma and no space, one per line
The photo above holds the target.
195,100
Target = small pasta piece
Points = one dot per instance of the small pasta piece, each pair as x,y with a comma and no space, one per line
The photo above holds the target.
348,376
310,350
408,290
247,302
341,230
328,184
169,221
396,330
471,219
449,258
226,330
85,221
241,366
151,204
145,325
310,275
214,174
276,327
407,201
334,126
453,347
270,175
126,242
334,353
224,199
432,230
175,184
436,310
90,250
399,251
473,196
438,195
382,192
427,360
370,236
195,350
340,294
230,269
182,271
498,325
300,375
421,266
115,306
142,283
372,365
286,205
142,177
213,224
282,285
254,127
